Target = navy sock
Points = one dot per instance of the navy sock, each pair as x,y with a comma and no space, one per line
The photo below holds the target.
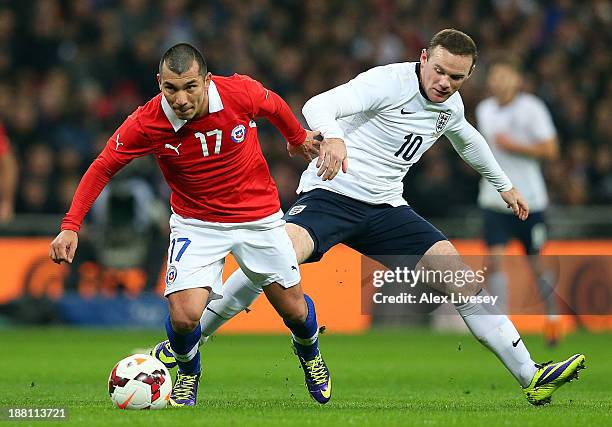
185,348
305,335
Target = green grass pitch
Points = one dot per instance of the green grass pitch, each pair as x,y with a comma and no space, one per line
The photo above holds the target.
408,377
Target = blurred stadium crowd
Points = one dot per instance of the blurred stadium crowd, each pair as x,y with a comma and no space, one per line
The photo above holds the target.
72,70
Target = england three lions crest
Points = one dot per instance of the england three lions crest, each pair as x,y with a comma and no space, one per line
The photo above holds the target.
442,121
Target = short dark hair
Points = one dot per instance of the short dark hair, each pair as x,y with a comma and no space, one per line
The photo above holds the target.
180,57
507,59
456,42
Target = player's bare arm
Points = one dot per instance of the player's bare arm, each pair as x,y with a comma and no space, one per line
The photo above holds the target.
547,149
516,202
8,185
332,157
309,149
63,247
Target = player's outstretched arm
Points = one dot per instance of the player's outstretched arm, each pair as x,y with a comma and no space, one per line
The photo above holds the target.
516,202
475,151
546,149
63,247
99,173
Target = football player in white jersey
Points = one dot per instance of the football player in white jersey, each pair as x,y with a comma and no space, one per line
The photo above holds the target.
521,134
383,121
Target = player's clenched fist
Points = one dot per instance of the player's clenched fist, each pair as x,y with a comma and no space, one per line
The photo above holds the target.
63,247
309,149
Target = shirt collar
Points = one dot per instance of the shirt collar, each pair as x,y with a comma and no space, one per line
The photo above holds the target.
417,70
214,105
214,99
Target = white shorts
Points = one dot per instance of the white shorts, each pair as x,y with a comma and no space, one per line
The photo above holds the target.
197,252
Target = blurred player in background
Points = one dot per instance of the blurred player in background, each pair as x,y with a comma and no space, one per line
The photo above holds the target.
388,117
201,131
8,179
521,134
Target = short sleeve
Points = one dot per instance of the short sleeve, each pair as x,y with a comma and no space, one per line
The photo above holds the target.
542,126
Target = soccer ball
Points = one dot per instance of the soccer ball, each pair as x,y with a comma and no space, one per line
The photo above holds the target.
140,381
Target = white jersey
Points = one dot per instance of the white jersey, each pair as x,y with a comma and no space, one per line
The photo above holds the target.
527,121
387,123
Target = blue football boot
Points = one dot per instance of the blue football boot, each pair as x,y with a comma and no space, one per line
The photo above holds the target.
185,390
317,377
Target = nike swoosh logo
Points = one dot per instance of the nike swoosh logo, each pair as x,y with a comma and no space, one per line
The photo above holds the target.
165,359
327,393
407,112
125,404
515,343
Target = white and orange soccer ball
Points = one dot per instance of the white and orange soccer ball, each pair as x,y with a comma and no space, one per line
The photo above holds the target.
139,381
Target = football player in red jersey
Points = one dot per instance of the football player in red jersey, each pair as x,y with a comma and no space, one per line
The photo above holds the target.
8,179
201,130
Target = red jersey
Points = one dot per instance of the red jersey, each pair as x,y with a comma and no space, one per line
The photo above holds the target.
213,164
4,143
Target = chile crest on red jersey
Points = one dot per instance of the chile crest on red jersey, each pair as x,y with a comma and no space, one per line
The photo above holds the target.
214,163
238,133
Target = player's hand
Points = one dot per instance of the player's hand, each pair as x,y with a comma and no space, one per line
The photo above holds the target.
332,157
515,201
309,149
63,247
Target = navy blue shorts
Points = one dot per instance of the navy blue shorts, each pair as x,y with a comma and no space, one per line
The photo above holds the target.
500,227
332,218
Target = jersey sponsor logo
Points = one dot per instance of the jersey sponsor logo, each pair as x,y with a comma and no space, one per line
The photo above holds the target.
296,209
407,112
171,275
442,121
238,134
172,147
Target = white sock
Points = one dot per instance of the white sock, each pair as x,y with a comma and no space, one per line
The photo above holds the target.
238,294
497,333
498,282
